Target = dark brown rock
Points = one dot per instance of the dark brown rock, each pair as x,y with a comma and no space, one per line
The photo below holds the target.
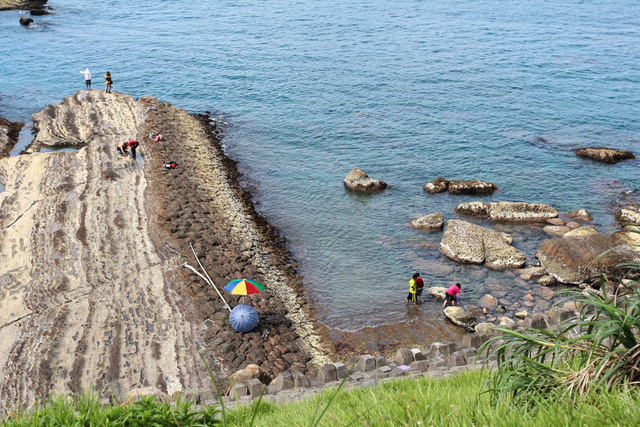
574,260
439,185
605,155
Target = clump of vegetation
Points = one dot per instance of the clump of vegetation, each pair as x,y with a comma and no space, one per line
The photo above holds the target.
597,350
85,410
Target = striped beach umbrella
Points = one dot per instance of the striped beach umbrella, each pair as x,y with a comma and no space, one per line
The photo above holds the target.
243,318
244,287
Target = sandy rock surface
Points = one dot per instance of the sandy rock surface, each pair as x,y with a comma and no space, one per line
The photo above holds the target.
92,290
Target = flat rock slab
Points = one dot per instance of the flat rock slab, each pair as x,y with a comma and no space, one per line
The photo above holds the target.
509,211
472,244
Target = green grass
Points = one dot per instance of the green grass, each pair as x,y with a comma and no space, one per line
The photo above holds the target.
456,401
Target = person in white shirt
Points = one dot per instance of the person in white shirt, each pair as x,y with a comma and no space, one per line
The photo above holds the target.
87,78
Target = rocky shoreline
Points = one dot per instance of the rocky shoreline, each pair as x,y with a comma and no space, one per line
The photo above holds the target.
94,293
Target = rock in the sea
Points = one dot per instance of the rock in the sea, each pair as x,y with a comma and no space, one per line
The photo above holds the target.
521,212
9,132
357,180
546,280
461,317
473,209
556,230
472,244
629,215
532,272
574,260
430,222
471,187
25,20
573,225
437,186
438,292
509,211
505,322
488,301
556,221
605,155
582,231
580,215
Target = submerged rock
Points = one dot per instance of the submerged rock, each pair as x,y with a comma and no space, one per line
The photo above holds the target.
357,180
461,317
470,243
430,222
556,230
437,292
25,20
605,155
582,231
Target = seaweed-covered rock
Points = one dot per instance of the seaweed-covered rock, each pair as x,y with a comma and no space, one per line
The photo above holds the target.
605,155
357,180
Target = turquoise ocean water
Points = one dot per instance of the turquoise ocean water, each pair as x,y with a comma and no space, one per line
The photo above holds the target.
406,90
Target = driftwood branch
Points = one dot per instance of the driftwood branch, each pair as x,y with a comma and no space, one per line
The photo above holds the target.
206,279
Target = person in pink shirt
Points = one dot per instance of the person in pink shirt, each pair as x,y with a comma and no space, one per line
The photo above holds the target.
452,295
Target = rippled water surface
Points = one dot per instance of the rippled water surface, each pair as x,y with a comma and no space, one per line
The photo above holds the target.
405,90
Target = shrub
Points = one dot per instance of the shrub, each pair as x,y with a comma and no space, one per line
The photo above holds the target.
600,348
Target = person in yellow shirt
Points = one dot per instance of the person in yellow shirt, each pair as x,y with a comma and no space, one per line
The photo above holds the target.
412,292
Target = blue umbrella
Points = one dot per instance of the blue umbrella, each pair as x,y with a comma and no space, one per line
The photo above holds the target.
243,318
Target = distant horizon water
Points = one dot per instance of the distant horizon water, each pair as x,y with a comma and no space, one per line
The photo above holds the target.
407,91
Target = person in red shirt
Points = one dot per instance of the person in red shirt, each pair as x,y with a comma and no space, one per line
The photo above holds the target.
133,144
419,286
452,295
